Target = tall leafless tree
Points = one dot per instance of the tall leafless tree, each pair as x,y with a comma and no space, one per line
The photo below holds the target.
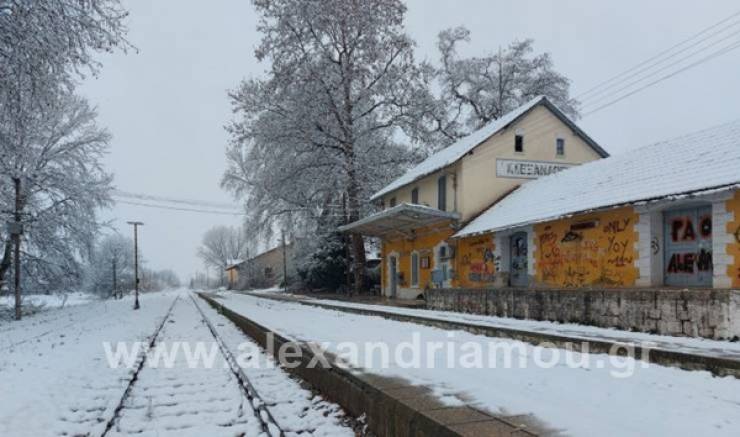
342,86
479,89
223,245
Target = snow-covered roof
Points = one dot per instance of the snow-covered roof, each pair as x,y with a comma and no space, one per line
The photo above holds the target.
401,218
460,148
698,162
233,263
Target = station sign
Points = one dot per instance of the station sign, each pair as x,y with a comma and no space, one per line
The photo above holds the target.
521,169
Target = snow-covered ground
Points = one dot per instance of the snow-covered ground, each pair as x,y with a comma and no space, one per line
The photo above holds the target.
55,376
53,366
583,399
48,301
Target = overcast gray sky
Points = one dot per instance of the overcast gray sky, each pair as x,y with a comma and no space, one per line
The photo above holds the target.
166,105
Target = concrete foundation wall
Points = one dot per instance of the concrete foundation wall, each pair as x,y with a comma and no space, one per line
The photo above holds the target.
696,313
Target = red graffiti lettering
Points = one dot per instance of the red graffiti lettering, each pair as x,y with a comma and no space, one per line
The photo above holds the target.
681,263
682,229
617,226
704,261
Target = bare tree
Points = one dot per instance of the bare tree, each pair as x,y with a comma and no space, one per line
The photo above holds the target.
480,89
342,87
223,245
112,252
45,46
58,159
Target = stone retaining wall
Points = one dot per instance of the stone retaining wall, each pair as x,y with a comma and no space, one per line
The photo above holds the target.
696,313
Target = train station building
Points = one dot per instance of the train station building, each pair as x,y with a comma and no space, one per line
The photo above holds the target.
530,201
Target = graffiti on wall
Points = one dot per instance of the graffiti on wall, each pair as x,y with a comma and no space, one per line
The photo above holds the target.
619,251
594,255
685,233
478,260
733,248
737,240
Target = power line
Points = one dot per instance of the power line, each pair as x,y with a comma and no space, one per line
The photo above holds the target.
666,67
657,64
660,55
175,208
191,202
668,76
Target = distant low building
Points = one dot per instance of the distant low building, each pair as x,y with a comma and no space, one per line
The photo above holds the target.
264,270
232,273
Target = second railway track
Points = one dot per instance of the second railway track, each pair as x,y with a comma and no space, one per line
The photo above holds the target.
192,382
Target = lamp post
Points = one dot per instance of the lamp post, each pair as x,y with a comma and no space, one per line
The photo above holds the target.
136,262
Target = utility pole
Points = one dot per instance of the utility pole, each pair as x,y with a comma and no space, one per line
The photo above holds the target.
136,262
16,230
115,289
285,264
346,239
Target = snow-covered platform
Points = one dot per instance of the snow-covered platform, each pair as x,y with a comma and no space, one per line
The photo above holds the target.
720,357
576,393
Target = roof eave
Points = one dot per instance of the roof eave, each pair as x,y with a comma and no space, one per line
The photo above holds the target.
404,214
677,196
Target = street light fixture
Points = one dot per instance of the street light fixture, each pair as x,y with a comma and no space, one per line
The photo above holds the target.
136,262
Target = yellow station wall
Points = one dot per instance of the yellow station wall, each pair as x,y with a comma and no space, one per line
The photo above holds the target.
424,242
564,255
475,265
733,248
600,256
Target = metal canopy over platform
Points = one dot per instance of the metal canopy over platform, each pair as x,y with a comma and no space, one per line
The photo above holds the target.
401,219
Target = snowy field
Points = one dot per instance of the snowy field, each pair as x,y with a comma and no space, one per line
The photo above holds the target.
52,364
584,400
56,379
43,302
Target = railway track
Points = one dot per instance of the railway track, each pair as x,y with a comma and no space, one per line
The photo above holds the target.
259,406
139,367
221,399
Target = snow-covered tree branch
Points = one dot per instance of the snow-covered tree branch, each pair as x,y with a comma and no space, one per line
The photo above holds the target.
223,245
63,183
480,89
320,133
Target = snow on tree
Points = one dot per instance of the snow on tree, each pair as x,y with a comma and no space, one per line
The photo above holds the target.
480,89
45,46
323,130
58,159
222,246
112,251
